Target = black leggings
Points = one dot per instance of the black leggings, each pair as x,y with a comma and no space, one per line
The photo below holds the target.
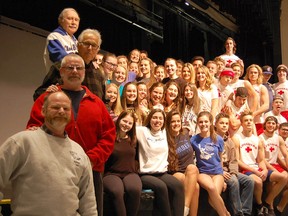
163,185
130,185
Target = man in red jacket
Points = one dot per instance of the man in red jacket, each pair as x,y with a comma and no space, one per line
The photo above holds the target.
91,125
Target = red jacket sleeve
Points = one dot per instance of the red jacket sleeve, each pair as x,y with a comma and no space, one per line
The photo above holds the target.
36,117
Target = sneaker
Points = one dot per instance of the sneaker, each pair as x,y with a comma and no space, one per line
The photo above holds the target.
260,212
270,212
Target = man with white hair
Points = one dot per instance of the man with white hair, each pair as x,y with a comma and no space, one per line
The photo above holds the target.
62,41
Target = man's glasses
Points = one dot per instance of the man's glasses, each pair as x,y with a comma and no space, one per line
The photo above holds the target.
284,129
71,68
87,45
111,64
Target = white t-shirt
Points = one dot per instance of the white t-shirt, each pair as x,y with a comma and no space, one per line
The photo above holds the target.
271,146
281,89
279,117
249,149
153,150
229,59
206,97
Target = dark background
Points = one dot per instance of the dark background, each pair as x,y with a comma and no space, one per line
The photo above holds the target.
258,37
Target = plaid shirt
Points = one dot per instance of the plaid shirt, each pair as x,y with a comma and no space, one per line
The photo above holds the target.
94,80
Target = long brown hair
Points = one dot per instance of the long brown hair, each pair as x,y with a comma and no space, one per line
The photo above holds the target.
213,134
195,101
172,154
123,97
260,73
177,100
155,85
131,133
209,78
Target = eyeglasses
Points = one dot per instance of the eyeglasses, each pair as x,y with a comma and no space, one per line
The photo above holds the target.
87,45
284,129
111,64
71,68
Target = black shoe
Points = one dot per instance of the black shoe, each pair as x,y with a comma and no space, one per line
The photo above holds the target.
277,212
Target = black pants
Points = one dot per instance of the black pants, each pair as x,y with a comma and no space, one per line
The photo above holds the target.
125,192
98,185
163,185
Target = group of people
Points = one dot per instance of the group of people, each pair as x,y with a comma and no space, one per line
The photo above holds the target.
172,128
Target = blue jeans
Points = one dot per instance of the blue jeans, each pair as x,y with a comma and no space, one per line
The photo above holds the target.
240,190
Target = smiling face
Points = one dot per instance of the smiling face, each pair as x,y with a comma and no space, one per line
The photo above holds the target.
237,72
188,92
175,124
200,75
186,74
282,75
157,95
171,92
142,91
204,124
120,74
212,68
109,65
159,73
126,123
171,68
157,121
197,63
135,56
134,67
72,73
220,66
70,21
145,67
57,111
123,62
270,126
131,93
112,93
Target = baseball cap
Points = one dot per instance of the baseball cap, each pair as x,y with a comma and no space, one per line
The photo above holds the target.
241,92
227,72
282,67
267,70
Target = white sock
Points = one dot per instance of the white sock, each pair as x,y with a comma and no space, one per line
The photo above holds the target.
186,211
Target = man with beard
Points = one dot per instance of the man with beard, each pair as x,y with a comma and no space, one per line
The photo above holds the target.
50,173
91,125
